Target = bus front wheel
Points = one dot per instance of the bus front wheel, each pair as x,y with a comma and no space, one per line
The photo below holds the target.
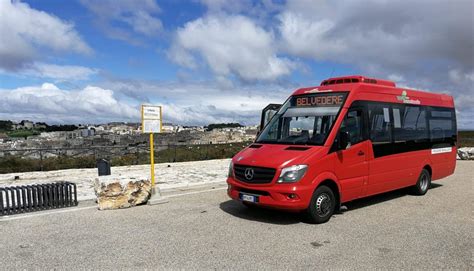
423,183
322,205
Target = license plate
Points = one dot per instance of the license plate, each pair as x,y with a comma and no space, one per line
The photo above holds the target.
249,198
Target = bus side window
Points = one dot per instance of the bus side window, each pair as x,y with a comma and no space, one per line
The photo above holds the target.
412,123
379,123
442,125
354,124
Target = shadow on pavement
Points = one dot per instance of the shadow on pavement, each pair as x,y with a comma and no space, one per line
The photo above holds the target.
280,217
373,200
264,215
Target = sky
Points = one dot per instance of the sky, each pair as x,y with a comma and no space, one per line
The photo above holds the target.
213,61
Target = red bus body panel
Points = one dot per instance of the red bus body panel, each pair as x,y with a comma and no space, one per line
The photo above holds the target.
356,176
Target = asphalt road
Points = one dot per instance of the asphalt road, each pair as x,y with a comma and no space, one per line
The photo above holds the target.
208,231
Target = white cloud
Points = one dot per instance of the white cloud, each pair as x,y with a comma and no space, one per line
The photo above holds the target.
305,37
25,32
230,45
186,103
49,103
396,78
224,5
388,33
459,77
58,72
182,57
204,102
424,44
139,15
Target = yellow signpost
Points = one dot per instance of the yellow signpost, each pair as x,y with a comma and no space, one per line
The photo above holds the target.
152,161
152,122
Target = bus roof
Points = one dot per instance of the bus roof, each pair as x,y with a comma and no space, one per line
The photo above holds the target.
364,88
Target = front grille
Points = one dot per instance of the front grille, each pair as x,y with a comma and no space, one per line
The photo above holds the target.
260,175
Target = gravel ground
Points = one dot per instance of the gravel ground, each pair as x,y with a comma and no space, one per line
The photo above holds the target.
167,175
208,231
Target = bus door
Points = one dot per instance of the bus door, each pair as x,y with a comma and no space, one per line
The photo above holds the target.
352,166
385,173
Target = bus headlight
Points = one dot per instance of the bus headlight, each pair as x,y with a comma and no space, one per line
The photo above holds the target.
292,174
231,170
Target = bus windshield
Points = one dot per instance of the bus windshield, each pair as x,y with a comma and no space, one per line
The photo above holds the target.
303,120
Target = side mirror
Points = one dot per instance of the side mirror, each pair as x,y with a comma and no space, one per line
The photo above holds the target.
267,113
343,140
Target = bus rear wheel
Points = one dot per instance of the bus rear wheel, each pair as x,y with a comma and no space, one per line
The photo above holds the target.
423,183
322,205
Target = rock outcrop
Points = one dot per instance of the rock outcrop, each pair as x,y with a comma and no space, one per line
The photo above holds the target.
466,153
116,192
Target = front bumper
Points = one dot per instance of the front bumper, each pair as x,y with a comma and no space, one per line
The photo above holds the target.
294,196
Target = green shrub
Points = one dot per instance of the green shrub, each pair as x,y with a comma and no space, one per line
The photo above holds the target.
466,138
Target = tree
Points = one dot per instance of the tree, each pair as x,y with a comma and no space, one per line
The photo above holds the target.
5,125
213,126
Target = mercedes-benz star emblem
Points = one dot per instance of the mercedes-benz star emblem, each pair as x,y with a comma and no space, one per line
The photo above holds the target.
249,173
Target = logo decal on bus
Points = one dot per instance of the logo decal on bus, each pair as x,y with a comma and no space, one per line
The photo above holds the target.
405,99
441,150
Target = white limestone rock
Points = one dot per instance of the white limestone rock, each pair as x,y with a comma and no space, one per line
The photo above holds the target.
466,153
116,192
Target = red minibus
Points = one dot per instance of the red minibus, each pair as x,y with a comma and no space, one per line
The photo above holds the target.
349,138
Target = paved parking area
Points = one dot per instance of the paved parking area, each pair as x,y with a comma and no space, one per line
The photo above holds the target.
208,231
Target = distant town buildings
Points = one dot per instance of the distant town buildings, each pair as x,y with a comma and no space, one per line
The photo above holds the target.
23,125
118,133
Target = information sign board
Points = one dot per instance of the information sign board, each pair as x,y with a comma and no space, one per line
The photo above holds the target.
151,119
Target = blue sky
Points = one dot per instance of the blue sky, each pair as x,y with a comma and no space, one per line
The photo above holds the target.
210,61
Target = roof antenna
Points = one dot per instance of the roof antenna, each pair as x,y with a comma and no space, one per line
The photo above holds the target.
331,72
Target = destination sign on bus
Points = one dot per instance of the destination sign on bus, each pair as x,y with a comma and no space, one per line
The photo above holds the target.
320,100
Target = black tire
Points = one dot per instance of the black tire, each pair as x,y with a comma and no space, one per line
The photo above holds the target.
322,205
423,183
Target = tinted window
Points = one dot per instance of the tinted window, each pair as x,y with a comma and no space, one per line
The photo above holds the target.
379,122
440,113
409,123
397,123
353,124
442,124
412,127
440,128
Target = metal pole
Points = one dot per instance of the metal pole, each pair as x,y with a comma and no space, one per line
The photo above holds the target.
152,162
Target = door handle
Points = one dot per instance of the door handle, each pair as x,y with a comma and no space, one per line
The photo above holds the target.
360,153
